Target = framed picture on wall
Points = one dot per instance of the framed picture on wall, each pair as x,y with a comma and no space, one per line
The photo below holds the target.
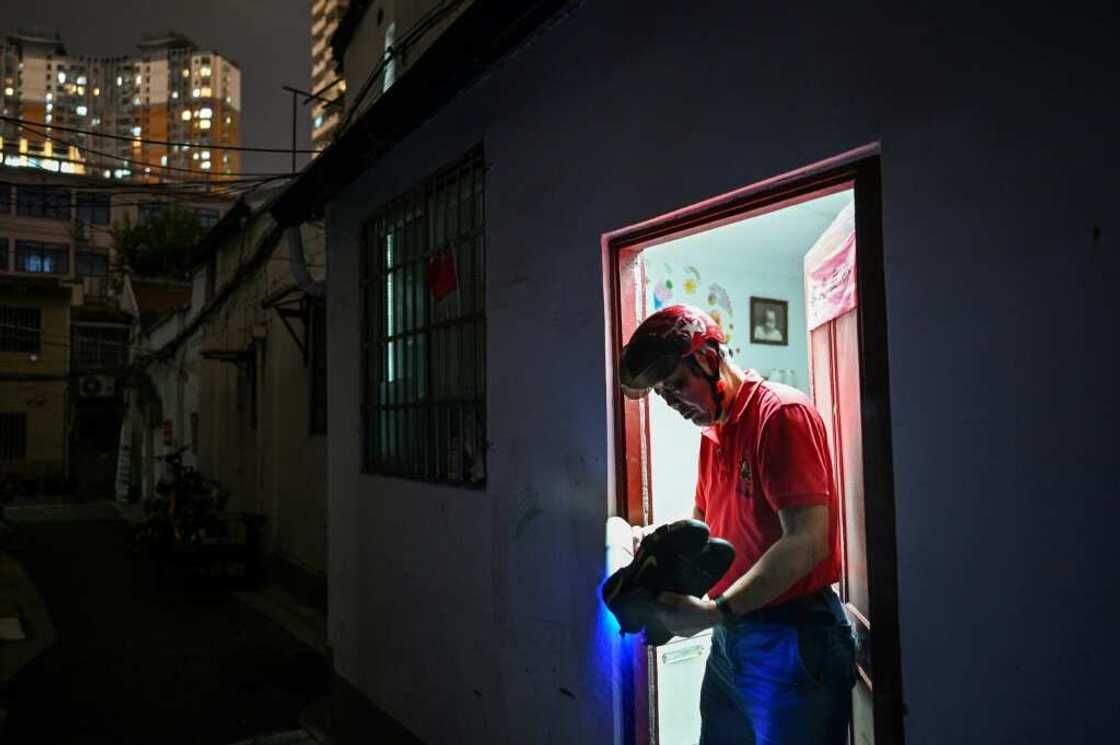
769,321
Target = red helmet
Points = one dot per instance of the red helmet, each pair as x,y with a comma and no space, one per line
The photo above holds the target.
660,342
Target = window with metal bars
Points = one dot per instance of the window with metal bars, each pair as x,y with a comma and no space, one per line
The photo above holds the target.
40,257
19,328
424,330
13,436
43,201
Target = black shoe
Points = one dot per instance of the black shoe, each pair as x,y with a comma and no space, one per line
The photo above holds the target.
679,557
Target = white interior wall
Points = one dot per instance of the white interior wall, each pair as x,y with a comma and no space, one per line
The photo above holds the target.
467,615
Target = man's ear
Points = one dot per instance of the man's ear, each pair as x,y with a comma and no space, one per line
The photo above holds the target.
707,358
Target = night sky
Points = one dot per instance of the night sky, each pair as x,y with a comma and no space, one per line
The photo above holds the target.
269,39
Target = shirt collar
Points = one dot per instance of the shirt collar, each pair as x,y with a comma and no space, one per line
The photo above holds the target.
751,382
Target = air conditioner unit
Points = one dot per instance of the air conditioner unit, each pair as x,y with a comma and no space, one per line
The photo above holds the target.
96,386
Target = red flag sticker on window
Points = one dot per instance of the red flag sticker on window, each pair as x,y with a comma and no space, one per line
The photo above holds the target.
442,277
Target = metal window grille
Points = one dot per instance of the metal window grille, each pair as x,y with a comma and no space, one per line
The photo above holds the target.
42,258
43,201
99,347
19,329
91,264
93,207
13,436
424,341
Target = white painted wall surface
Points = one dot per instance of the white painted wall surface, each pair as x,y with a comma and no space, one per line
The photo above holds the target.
464,614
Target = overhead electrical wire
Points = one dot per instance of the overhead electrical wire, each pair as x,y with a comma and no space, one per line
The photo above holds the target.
146,141
122,159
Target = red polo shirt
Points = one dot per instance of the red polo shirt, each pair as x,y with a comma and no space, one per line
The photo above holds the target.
771,453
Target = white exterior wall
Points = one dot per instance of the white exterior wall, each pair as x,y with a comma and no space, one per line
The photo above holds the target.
463,614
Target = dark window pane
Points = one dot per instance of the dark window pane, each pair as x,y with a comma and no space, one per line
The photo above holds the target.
19,329
93,207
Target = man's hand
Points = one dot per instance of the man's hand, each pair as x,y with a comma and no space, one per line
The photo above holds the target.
640,532
685,615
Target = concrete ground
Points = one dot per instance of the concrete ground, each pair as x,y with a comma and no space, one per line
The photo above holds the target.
134,663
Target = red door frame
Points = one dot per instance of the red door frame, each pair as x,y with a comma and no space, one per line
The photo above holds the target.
628,435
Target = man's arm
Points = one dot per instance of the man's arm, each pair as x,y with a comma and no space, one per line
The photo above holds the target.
803,545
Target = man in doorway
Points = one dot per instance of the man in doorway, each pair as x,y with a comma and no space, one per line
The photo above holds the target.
781,667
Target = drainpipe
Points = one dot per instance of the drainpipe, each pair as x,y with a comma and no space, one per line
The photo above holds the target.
311,287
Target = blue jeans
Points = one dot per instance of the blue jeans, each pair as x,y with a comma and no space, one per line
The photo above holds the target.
772,683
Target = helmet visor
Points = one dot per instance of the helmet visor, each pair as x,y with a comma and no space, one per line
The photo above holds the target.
646,361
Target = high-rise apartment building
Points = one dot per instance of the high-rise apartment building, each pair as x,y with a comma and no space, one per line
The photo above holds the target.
97,115
325,81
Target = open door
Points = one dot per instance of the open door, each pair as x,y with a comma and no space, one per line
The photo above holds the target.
847,373
832,311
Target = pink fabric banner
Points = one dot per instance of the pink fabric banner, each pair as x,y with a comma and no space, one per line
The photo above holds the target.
830,271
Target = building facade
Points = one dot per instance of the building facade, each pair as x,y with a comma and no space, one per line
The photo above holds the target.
57,265
472,614
98,115
247,389
326,109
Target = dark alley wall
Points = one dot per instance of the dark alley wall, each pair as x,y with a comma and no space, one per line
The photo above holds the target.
463,613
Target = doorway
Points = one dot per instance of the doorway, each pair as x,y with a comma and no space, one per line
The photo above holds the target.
792,270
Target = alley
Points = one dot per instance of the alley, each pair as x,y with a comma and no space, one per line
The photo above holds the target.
137,664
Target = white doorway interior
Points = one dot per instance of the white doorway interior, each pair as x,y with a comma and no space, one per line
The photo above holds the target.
750,275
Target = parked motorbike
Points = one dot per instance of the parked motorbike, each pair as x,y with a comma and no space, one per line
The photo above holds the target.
184,511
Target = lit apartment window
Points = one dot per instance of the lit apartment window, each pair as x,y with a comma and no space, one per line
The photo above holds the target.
61,76
135,131
204,72
174,94
425,376
204,165
196,93
81,80
19,328
205,155
205,113
9,91
163,160
81,110
139,79
97,91
186,72
38,257
185,116
206,92
120,80
204,124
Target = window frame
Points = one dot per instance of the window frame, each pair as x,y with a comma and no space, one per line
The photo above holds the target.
21,335
43,201
413,430
96,205
42,249
13,422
